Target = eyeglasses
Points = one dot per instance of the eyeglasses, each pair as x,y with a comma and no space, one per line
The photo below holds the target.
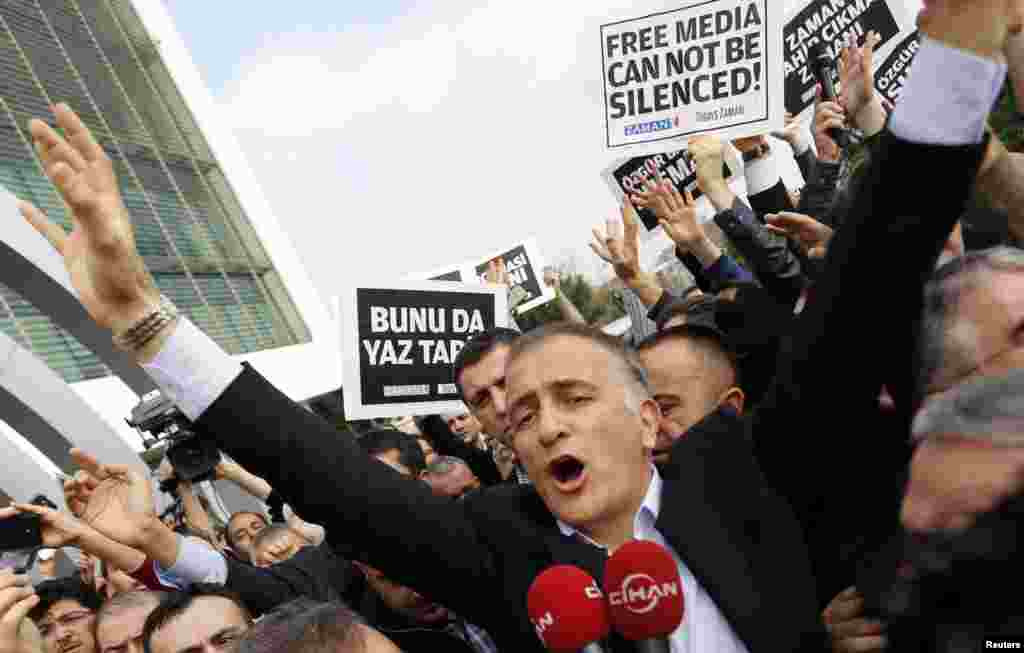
66,620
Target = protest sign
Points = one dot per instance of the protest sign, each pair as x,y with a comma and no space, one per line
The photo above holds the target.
707,67
525,273
399,342
525,268
626,177
891,74
833,22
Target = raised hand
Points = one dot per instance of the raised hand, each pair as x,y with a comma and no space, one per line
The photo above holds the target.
497,273
77,491
620,244
121,504
792,132
17,598
106,270
827,116
812,236
676,213
982,27
58,528
708,155
552,278
857,74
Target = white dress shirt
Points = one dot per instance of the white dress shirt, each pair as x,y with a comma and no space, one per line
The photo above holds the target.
704,629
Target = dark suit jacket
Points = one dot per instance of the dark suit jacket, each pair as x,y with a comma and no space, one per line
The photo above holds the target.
314,572
821,437
480,556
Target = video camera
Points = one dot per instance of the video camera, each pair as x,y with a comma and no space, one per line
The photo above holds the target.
193,458
948,592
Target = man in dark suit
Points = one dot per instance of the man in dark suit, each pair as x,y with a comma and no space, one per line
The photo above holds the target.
581,422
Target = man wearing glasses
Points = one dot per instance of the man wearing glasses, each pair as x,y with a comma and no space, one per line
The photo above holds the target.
65,615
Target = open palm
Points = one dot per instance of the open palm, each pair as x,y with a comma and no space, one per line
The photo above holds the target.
121,504
99,253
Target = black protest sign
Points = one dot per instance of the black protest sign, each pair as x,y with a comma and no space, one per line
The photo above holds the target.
454,275
524,280
833,22
892,73
408,339
674,166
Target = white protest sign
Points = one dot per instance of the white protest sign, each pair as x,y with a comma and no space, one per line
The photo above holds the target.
707,67
399,341
525,268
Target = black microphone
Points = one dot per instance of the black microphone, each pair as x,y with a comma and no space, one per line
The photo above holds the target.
823,68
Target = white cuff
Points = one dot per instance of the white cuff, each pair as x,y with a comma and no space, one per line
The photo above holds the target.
947,97
197,562
192,370
761,174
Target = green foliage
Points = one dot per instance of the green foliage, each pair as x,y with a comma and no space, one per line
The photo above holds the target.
1006,121
597,305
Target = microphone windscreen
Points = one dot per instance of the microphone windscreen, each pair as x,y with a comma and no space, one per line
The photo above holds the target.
645,592
567,609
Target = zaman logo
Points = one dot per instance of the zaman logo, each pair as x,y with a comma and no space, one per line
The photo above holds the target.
640,593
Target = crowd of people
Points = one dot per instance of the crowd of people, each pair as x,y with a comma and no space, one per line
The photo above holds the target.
821,432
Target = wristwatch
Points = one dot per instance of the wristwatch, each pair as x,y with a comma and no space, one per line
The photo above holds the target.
756,153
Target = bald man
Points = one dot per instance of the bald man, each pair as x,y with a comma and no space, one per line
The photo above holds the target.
691,375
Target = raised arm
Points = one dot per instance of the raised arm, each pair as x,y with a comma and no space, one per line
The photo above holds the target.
417,539
619,246
61,529
228,470
570,313
890,240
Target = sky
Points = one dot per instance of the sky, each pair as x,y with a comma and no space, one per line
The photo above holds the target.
395,137
392,138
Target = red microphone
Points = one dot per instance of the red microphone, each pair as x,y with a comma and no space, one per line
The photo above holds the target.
645,592
567,609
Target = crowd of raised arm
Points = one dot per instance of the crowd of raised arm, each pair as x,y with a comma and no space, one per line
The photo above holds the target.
823,434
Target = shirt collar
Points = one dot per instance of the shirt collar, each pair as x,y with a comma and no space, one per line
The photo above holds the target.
649,510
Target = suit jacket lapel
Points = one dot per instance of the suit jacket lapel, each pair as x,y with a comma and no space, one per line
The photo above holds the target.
705,514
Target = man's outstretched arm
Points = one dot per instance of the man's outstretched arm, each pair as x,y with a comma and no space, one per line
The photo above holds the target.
417,539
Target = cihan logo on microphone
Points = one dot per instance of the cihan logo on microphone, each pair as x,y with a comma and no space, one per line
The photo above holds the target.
547,620
640,593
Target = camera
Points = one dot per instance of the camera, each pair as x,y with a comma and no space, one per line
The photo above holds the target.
161,423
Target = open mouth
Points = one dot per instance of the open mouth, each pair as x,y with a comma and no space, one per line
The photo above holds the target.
568,472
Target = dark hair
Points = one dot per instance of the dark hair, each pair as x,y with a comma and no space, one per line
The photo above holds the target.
227,527
479,346
625,354
269,533
707,338
174,604
383,440
696,308
306,626
70,588
126,601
